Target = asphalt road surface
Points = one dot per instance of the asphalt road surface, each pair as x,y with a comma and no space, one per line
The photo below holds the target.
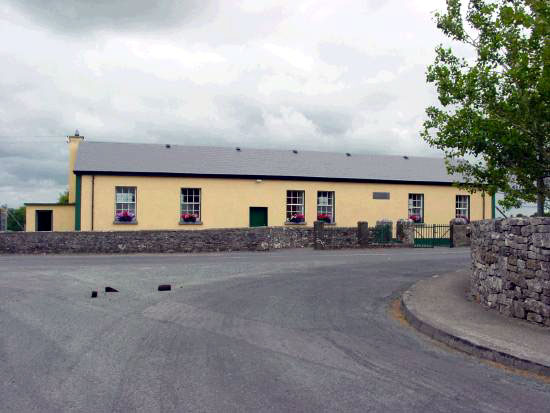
290,330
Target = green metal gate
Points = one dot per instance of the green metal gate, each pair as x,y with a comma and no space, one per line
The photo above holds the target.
382,234
429,236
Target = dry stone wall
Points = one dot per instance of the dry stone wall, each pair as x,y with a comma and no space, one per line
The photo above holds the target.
207,240
331,238
460,235
405,232
511,267
115,242
327,237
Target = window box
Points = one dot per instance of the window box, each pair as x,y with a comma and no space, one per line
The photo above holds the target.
182,222
326,218
134,222
189,218
417,219
125,217
297,219
295,223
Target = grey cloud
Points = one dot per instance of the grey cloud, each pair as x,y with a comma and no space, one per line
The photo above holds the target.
234,26
247,112
20,171
376,4
23,118
183,134
52,84
330,122
377,101
142,15
358,63
51,148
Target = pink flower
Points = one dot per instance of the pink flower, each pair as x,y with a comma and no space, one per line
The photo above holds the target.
125,216
297,218
324,217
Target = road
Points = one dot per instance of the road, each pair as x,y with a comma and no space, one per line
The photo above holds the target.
292,330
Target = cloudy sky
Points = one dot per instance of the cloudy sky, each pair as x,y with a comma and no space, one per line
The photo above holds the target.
326,75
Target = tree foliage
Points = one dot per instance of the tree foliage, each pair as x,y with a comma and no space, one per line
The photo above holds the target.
63,198
493,121
16,219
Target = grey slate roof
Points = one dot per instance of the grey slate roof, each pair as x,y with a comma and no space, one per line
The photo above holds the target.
136,158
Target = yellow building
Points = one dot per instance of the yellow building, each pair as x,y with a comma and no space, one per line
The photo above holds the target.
124,186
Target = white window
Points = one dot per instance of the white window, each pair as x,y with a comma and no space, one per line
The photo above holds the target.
125,207
463,206
295,206
190,204
416,207
325,206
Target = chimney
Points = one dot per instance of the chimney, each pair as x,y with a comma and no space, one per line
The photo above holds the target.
73,142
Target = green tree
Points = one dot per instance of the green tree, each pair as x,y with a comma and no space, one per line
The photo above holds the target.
493,121
16,219
63,198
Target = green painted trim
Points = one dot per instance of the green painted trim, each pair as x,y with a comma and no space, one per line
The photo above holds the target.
493,206
266,177
46,204
78,196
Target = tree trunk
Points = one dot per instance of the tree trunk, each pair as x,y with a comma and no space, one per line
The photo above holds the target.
541,198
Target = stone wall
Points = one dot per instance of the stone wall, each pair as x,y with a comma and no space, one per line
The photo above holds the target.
405,232
208,240
460,235
511,267
362,236
330,238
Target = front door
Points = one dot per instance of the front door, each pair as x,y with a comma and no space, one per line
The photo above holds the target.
44,220
258,216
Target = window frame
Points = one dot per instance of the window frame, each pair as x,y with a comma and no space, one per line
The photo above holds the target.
421,207
457,208
331,195
133,221
289,213
199,203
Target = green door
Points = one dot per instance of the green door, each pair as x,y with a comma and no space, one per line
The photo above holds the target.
258,216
